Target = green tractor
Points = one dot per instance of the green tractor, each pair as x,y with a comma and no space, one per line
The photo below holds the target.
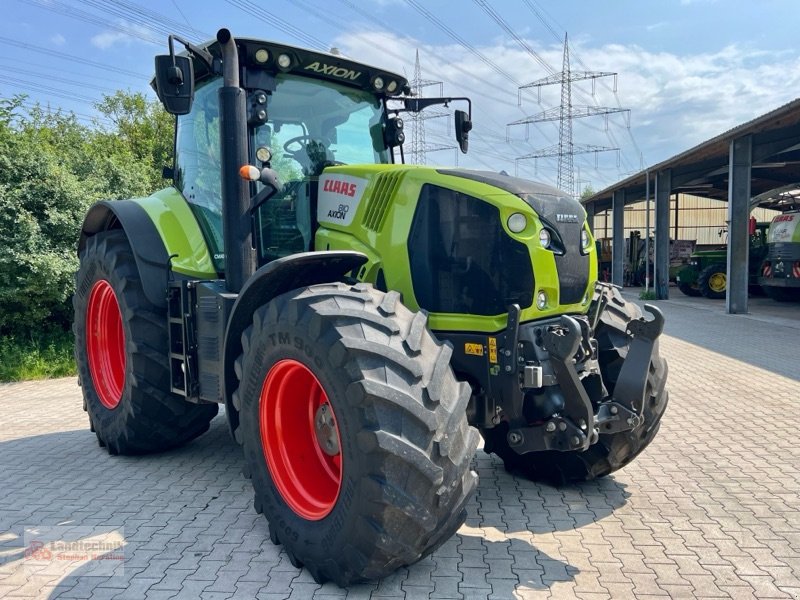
362,321
706,273
780,270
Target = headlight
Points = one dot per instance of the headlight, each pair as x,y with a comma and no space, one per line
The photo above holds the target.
541,300
584,239
517,223
544,238
284,61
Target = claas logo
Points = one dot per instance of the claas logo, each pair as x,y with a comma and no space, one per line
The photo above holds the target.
339,187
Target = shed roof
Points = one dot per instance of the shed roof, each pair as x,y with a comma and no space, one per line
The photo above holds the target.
703,169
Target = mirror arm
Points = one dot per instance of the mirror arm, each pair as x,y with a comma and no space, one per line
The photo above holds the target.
418,104
200,53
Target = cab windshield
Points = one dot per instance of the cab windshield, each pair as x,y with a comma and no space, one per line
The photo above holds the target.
314,123
311,124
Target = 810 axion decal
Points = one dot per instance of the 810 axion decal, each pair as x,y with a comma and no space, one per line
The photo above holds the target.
339,197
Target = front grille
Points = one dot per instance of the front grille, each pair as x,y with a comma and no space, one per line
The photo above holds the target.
572,265
462,261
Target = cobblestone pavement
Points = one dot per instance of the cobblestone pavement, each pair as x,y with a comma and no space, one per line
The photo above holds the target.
711,509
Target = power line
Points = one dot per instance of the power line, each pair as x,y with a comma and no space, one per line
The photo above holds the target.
253,9
433,19
38,87
87,17
70,57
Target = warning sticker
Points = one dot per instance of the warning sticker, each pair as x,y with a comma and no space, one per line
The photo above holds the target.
492,350
339,197
473,349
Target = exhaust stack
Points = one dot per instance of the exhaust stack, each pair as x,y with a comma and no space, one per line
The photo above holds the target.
240,256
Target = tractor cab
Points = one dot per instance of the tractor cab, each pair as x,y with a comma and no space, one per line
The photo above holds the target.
305,111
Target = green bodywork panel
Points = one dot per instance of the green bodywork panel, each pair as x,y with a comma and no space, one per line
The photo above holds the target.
382,219
180,233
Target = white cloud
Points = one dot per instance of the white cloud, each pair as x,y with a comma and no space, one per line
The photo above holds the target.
124,34
110,38
58,40
677,101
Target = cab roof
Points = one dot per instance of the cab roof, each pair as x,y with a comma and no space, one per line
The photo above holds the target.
309,63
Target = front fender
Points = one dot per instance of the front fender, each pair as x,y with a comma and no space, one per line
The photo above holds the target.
271,280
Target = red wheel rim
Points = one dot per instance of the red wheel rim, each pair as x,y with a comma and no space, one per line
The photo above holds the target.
307,476
105,344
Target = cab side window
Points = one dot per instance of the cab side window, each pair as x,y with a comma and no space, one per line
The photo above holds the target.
197,161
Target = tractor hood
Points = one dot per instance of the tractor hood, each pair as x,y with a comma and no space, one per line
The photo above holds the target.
549,203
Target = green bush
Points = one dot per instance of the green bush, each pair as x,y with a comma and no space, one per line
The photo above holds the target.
39,356
52,169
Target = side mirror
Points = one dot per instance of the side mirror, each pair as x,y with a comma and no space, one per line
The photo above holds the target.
175,83
463,127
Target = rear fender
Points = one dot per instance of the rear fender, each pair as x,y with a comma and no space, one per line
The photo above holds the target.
271,280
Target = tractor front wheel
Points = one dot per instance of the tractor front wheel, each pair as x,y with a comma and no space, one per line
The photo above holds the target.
612,451
354,430
713,281
121,350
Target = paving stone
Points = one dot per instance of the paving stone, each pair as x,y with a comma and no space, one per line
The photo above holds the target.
706,515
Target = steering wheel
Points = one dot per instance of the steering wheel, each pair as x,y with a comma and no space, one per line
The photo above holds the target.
301,141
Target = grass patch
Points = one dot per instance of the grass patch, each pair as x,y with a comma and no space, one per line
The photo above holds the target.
37,356
648,295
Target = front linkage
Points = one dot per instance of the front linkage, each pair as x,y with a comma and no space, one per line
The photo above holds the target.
543,379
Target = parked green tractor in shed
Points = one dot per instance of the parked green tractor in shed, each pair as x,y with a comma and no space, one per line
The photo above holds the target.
706,273
357,317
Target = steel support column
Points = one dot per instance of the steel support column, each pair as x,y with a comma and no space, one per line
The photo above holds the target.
663,192
740,164
618,237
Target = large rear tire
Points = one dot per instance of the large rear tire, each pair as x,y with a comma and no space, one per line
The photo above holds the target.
713,281
121,349
781,294
612,451
689,290
354,431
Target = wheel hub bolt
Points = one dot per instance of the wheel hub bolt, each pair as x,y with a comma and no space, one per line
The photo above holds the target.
551,427
325,430
576,441
614,410
562,426
514,437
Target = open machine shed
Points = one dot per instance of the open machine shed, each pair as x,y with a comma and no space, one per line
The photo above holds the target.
741,166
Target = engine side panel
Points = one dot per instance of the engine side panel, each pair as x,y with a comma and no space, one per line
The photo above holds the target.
371,209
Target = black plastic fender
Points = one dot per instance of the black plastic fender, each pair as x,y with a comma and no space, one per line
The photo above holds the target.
271,280
148,248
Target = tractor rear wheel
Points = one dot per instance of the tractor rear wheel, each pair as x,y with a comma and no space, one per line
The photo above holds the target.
354,430
612,451
781,294
689,290
713,281
121,350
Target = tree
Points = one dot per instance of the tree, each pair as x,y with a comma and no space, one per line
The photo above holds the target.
587,192
52,168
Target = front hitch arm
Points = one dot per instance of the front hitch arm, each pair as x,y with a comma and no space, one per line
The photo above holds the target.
631,384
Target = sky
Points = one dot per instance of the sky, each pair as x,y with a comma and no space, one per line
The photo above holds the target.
687,70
